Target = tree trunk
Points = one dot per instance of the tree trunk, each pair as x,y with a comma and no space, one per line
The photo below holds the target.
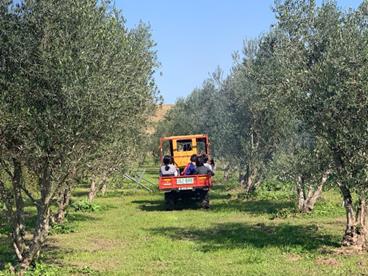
313,196
63,203
252,181
355,235
300,193
308,199
361,226
242,178
39,236
92,191
42,222
226,172
103,188
18,232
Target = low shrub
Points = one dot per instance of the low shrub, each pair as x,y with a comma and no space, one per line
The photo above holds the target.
85,206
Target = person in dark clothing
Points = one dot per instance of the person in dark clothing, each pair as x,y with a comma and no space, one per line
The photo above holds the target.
191,167
201,168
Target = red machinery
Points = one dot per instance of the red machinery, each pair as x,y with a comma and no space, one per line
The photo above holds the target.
187,186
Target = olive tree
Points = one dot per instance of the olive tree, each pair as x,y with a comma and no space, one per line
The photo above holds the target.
324,65
70,75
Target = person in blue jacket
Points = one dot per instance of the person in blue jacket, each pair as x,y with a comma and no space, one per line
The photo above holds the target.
191,167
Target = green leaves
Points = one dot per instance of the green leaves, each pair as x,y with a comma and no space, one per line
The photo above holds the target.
76,89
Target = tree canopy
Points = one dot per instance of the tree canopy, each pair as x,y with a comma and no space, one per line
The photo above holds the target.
76,86
294,106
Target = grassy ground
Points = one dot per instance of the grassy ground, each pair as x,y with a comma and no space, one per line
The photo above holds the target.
132,234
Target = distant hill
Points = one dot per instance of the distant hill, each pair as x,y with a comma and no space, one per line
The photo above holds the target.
161,111
159,115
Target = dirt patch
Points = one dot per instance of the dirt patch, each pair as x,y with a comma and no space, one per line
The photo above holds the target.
328,261
362,263
350,251
102,245
293,257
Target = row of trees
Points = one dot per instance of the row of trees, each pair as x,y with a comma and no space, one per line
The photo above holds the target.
76,88
295,106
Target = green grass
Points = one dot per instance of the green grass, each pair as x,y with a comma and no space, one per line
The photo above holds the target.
132,234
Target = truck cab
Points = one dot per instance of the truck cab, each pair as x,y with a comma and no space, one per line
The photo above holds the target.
181,148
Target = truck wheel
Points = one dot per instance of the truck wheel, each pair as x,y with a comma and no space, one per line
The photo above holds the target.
205,203
170,201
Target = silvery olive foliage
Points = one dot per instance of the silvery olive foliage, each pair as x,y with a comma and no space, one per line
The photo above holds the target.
294,106
76,86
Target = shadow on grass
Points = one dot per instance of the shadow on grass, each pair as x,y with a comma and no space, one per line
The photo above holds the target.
50,253
254,207
73,217
159,205
6,252
84,194
290,238
80,193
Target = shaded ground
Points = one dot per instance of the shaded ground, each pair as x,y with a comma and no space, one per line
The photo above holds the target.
243,235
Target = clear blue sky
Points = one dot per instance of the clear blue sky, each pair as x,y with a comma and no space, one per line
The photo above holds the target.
195,36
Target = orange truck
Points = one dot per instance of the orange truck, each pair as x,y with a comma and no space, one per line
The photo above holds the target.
195,187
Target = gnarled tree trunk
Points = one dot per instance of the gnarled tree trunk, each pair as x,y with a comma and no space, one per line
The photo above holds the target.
39,236
355,235
92,191
96,186
63,203
307,198
226,172
103,187
18,232
252,180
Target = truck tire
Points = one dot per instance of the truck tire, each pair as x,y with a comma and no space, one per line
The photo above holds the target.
170,200
205,201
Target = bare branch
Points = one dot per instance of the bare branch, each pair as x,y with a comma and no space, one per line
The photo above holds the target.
59,185
17,252
29,194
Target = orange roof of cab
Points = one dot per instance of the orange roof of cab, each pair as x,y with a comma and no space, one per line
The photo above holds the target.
185,137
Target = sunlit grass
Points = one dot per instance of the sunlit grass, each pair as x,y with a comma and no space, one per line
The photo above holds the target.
132,234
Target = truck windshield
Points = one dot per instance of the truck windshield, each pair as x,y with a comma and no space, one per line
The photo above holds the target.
184,145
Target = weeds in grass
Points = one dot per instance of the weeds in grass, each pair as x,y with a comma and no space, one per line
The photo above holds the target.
42,269
62,228
85,206
283,213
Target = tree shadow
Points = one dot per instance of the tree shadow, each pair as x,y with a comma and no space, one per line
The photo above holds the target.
239,235
159,205
73,217
80,193
254,207
7,254
6,251
223,196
